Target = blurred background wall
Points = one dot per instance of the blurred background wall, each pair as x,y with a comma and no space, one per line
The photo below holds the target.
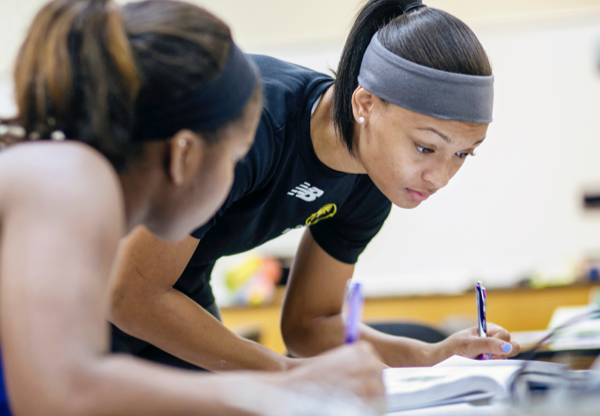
515,209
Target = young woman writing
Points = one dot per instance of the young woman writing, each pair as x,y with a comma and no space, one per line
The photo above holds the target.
139,135
412,99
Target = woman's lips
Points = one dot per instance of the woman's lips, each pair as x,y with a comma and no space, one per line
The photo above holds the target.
417,196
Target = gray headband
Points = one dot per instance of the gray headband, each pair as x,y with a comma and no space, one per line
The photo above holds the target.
436,93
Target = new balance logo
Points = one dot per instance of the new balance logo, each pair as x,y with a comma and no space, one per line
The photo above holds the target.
306,192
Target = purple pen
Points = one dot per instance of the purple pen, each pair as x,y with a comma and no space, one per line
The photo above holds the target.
481,313
354,311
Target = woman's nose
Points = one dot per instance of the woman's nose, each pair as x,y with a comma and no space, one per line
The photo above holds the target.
437,175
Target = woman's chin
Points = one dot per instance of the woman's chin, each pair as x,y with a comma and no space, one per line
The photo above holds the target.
406,202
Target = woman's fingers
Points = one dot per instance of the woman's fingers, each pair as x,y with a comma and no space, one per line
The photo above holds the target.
498,343
356,368
498,332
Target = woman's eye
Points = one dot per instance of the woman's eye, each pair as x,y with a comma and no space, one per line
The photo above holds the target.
463,155
423,149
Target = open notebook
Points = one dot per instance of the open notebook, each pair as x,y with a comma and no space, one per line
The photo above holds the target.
459,380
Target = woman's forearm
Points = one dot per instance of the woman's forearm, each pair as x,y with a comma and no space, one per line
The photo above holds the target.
401,351
176,324
145,304
119,385
313,336
346,379
308,337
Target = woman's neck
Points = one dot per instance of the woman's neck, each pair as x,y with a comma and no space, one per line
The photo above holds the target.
136,209
139,184
329,147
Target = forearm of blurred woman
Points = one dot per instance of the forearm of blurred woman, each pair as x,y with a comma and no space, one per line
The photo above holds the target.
119,385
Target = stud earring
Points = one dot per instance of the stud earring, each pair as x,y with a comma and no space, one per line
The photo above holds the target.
361,120
181,143
57,135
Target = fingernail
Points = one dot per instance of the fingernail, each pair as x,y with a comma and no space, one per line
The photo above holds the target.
506,348
488,356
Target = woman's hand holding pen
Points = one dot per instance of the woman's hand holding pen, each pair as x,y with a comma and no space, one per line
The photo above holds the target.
483,341
467,343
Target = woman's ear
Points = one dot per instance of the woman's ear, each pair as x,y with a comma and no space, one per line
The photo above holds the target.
362,104
186,154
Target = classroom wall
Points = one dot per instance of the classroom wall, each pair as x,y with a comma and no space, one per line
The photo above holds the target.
512,210
515,209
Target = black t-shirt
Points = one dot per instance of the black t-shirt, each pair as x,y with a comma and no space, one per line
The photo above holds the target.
282,185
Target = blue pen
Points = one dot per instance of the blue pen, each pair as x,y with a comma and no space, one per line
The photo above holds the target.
354,311
481,312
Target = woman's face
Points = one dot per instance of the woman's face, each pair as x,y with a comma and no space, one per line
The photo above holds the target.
211,169
410,156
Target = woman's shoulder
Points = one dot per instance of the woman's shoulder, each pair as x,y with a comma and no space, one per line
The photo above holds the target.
287,87
57,173
49,161
286,75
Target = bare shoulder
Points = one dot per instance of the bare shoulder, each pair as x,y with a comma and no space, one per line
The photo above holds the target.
66,176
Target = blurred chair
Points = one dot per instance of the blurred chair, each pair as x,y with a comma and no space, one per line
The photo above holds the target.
421,332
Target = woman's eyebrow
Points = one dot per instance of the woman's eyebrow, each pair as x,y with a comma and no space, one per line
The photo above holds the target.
442,135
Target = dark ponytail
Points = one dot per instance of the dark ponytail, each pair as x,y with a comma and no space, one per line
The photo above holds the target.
423,35
75,76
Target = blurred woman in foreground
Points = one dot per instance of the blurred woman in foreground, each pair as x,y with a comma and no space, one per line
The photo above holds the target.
139,135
